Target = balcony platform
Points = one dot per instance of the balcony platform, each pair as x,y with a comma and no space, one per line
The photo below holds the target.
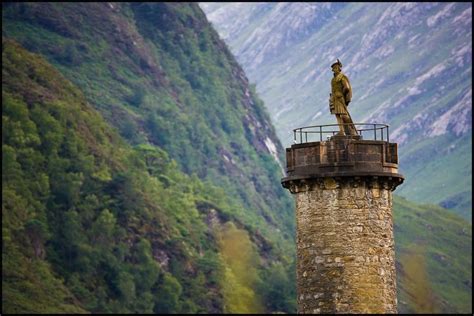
342,157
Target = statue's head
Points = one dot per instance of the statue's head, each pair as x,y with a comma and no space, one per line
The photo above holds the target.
336,67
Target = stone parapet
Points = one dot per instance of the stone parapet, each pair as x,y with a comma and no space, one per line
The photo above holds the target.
344,157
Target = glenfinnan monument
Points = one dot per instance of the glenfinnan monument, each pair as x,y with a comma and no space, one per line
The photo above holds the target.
342,176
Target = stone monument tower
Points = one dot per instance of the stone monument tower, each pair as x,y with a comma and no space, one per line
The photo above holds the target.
345,248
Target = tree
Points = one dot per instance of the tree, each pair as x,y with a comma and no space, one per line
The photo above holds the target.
167,295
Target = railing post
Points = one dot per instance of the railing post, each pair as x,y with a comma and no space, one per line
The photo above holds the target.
301,136
375,132
388,139
320,133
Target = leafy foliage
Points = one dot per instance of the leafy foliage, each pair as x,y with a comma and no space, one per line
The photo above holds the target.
107,227
158,73
241,262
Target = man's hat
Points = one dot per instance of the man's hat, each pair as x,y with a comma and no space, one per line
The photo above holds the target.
337,63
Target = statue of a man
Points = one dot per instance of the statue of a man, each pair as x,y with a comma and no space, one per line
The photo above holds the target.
340,97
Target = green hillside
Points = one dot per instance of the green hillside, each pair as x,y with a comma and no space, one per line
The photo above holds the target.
161,75
92,224
140,173
434,259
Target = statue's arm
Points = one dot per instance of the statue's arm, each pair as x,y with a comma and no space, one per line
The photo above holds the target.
331,103
346,89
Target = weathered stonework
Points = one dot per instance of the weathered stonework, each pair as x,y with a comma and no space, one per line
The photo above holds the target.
345,246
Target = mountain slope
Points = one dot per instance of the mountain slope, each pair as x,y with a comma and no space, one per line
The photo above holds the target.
138,64
121,227
434,259
211,124
410,66
107,228
159,73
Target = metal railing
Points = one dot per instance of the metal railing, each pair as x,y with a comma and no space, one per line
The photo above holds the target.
367,131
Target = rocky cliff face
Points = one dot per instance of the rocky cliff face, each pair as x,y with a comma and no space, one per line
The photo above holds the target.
410,65
264,38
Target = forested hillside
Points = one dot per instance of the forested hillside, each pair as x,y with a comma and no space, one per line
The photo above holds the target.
160,75
140,173
92,224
